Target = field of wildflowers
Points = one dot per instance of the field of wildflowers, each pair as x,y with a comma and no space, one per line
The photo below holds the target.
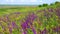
34,21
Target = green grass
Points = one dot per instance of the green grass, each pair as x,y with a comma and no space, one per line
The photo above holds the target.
48,22
23,9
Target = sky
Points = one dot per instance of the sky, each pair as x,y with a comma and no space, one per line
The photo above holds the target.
27,2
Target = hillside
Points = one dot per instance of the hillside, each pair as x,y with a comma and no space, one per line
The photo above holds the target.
30,19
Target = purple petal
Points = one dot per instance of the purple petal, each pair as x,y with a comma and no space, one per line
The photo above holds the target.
34,31
14,25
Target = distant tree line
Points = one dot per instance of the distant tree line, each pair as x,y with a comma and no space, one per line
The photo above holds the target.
44,5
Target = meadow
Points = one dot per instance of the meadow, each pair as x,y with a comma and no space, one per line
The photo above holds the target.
30,19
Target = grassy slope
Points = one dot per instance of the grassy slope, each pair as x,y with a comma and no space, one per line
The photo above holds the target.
52,20
8,10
